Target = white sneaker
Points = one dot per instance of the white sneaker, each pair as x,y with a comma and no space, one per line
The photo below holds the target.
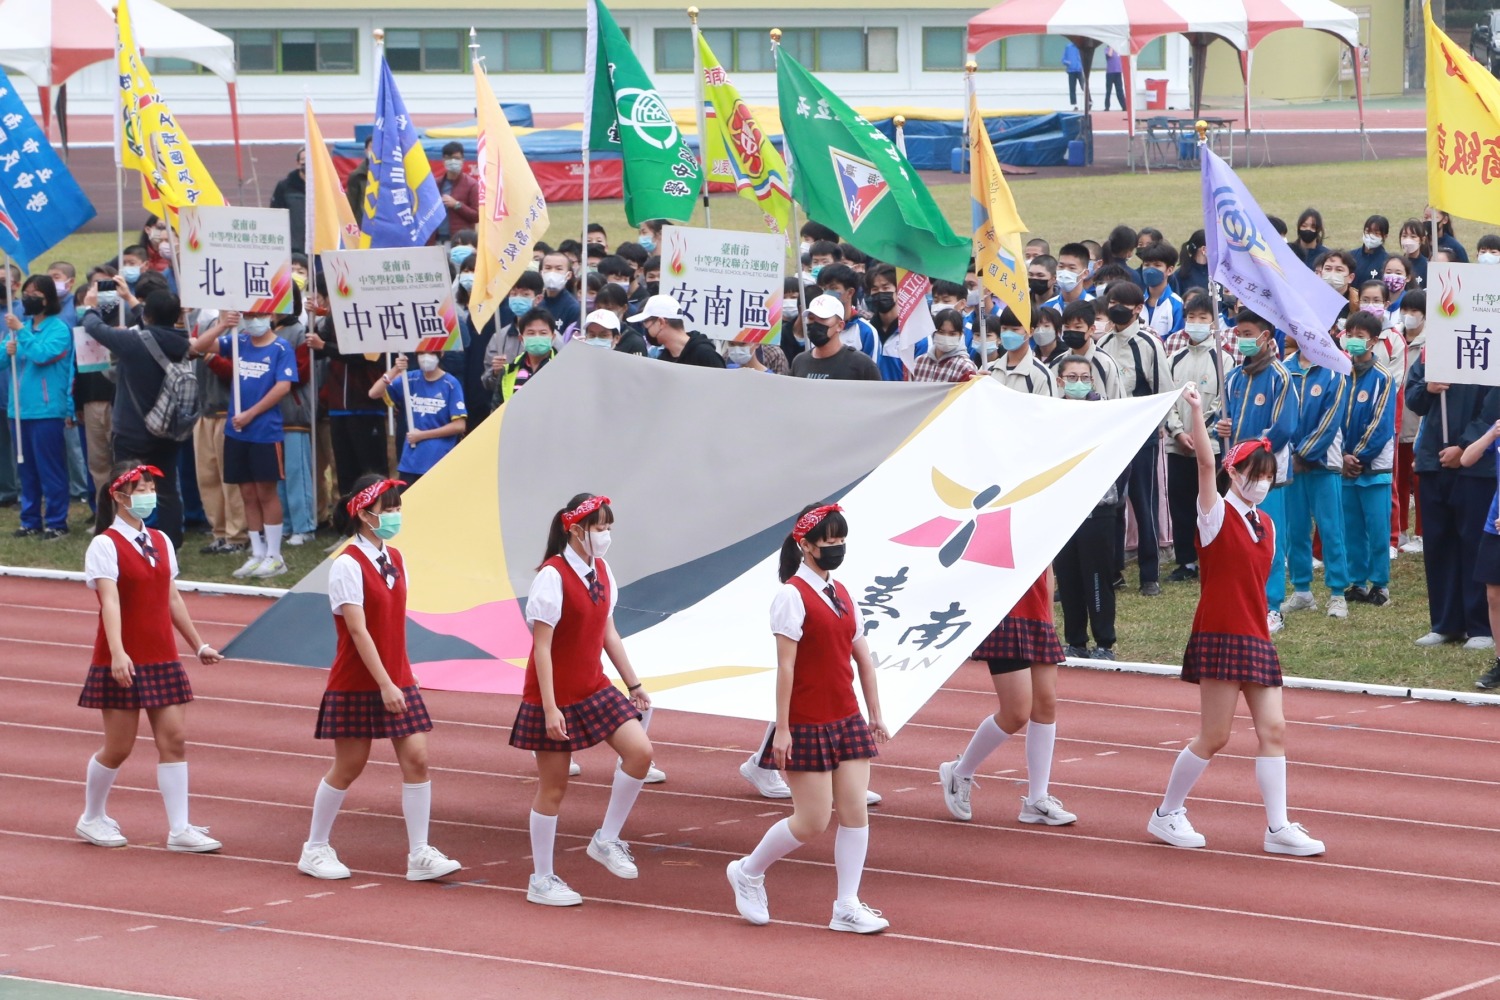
956,791
1338,607
770,784
1301,600
296,538
857,918
1292,839
321,862
574,769
269,566
193,840
1317,564
872,797
101,832
249,567
1274,622
427,862
1395,553
749,893
1174,829
549,890
1435,639
1480,642
1046,810
1413,546
654,774
614,855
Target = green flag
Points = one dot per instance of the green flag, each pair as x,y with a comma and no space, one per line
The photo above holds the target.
851,178
627,116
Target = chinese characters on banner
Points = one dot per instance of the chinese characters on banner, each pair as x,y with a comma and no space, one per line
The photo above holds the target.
393,300
1463,315
728,283
40,203
236,258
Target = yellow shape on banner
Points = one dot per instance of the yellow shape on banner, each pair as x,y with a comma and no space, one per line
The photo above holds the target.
1463,130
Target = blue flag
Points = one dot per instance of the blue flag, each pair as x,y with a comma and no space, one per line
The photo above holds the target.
403,206
40,203
1249,258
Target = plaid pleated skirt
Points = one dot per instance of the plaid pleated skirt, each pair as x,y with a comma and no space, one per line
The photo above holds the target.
1023,640
156,685
824,746
1242,659
590,721
361,715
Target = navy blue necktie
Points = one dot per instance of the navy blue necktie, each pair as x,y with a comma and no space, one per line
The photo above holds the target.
596,587
147,549
833,597
387,569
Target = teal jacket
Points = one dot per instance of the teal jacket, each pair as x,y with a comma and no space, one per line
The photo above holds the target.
44,369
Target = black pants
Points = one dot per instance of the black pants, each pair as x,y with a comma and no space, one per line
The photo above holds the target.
1182,502
358,448
1141,489
1075,80
1085,575
162,454
1114,83
1453,511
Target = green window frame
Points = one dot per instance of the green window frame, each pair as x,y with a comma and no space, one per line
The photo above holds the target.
427,50
265,51
532,50
748,50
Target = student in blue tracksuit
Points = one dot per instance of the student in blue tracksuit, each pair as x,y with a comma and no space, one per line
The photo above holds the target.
1259,401
42,346
1315,493
1369,460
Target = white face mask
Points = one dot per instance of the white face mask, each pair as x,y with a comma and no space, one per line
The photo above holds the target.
740,354
256,326
1044,335
598,543
1489,257
427,362
1336,280
604,343
1067,280
1373,241
1198,332
454,166
803,248
554,281
1253,493
790,308
1412,322
975,297
1409,245
944,345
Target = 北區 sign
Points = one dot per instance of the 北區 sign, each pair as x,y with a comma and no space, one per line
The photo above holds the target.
235,258
728,283
398,299
1463,316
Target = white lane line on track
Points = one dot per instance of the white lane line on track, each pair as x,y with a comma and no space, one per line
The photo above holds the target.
1457,990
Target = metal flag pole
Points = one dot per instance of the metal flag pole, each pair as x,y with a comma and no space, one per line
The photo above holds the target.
119,156
590,69
15,379
970,87
309,243
699,92
390,359
793,237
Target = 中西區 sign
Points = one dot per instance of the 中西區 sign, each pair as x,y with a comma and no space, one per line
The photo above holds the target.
235,258
392,300
729,284
1463,315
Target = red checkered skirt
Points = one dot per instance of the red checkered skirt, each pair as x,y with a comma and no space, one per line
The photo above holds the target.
824,746
590,721
156,685
1023,639
361,715
1242,659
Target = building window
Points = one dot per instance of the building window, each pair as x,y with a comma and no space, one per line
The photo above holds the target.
259,50
943,51
748,50
532,50
426,51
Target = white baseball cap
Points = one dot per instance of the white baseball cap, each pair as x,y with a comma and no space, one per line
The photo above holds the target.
826,307
658,307
602,317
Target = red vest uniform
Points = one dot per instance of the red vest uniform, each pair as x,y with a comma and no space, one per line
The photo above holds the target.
145,604
823,673
385,619
577,640
1233,569
1036,604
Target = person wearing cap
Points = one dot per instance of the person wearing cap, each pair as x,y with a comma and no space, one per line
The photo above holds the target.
601,329
661,317
827,357
616,300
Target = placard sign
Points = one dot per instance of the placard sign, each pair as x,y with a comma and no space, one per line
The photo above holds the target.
728,283
398,299
235,258
1463,315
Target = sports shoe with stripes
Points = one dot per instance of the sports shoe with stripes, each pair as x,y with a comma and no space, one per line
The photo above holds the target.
749,893
956,791
1047,811
857,918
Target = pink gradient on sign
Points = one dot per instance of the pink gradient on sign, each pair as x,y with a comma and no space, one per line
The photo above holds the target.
991,542
930,535
499,629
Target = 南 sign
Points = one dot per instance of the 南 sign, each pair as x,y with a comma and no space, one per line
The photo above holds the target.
728,283
1463,314
399,299
236,258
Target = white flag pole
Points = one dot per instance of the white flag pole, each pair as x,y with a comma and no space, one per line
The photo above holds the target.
390,414
309,243
699,93
590,69
119,155
980,319
792,237
15,379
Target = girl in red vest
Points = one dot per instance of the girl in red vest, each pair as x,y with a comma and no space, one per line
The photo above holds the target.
1022,654
135,664
822,743
567,703
372,694
1230,651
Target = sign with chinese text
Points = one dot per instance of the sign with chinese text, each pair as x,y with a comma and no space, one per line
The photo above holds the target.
1463,315
235,258
398,300
728,283
88,354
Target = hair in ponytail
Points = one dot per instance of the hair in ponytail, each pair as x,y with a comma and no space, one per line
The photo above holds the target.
104,504
833,525
346,523
557,535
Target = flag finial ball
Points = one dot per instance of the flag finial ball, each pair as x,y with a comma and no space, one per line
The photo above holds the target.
379,34
1201,127
776,34
900,121
693,13
971,66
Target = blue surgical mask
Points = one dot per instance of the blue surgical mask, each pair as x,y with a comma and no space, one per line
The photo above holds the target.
466,281
648,243
1012,340
817,269
458,254
142,505
1153,276
131,273
520,305
256,326
109,300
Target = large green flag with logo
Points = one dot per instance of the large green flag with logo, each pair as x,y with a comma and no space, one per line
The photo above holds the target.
627,116
851,178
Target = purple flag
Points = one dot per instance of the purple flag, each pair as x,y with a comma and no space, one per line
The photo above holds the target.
1248,257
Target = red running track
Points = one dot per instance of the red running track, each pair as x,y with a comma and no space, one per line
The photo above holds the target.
1405,905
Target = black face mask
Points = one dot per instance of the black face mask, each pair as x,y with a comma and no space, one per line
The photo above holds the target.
653,288
1074,338
817,334
830,557
1120,315
883,302
1038,286
32,306
1307,235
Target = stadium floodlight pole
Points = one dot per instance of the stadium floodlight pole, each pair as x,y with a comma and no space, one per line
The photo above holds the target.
786,154
698,92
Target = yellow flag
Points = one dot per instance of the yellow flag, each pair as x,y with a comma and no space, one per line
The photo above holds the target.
333,220
512,212
997,224
151,141
1463,130
735,149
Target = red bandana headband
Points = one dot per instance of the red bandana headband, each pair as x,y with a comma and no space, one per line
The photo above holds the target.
807,522
582,511
1245,449
134,475
369,494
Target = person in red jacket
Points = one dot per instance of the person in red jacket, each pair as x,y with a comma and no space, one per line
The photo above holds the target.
135,664
822,742
460,196
372,693
567,703
1230,652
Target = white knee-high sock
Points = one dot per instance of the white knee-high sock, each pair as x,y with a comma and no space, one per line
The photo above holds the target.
273,541
325,810
416,809
775,845
1185,774
543,834
96,789
985,741
258,544
622,796
1040,738
849,848
1270,774
172,780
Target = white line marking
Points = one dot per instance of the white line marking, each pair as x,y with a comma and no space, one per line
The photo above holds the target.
40,947
143,927
80,986
1322,717
773,812
1070,760
1462,989
238,909
1106,753
91,937
278,902
688,829
367,885
726,822
907,789
311,895
648,836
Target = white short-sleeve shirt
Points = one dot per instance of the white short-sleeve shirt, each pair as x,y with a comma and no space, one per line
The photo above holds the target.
544,603
346,580
1211,522
102,560
787,610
